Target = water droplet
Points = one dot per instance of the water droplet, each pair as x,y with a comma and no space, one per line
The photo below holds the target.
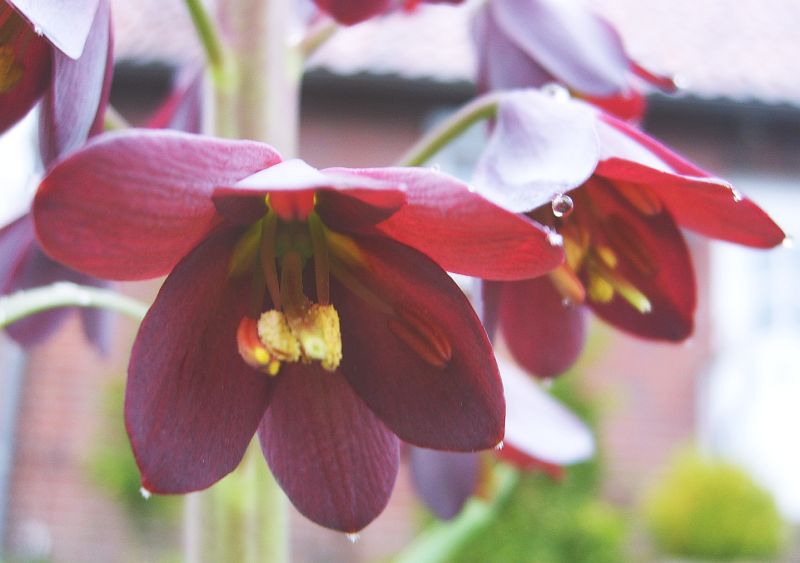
145,493
562,205
556,91
737,195
353,538
500,445
38,30
554,238
788,242
547,382
680,81
566,302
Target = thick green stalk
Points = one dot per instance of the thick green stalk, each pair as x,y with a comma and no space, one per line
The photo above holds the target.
245,516
440,136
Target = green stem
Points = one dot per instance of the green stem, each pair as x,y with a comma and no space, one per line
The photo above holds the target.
442,540
316,38
484,107
216,55
65,294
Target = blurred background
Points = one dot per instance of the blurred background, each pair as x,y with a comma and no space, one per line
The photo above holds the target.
68,485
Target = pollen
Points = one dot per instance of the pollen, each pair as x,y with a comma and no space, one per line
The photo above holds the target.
10,71
277,337
318,331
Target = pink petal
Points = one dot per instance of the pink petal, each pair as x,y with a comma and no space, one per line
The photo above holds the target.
540,146
455,405
543,334
444,480
192,405
78,92
708,206
540,426
130,205
572,43
66,23
462,231
332,456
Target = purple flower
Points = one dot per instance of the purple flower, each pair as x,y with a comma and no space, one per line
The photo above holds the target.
309,306
530,43
62,55
619,200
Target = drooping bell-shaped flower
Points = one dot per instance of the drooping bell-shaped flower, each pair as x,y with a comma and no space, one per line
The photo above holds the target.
619,199
541,435
309,306
60,53
530,43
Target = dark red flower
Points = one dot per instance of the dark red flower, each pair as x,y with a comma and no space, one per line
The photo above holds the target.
541,435
24,266
350,12
530,43
62,55
310,306
619,210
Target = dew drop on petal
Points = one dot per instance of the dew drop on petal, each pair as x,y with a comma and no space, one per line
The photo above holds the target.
353,538
737,195
562,205
554,238
566,302
788,242
500,445
556,91
680,81
38,30
145,493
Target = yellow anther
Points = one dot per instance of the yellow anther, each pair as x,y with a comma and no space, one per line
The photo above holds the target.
277,337
317,329
252,350
607,256
10,71
600,289
568,284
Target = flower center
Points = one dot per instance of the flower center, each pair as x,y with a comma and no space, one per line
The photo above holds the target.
598,240
11,70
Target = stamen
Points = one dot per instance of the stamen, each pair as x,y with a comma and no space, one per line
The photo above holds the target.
641,197
277,337
425,338
252,350
10,71
322,267
600,289
601,278
568,284
319,335
267,255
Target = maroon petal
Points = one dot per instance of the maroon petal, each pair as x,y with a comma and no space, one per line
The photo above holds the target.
78,92
130,205
540,146
653,257
501,64
66,23
462,231
332,456
543,334
578,47
444,480
25,62
350,12
708,206
424,397
192,405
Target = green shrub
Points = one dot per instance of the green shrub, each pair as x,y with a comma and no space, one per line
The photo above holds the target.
710,509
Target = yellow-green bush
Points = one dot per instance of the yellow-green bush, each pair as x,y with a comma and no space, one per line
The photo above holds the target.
710,509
